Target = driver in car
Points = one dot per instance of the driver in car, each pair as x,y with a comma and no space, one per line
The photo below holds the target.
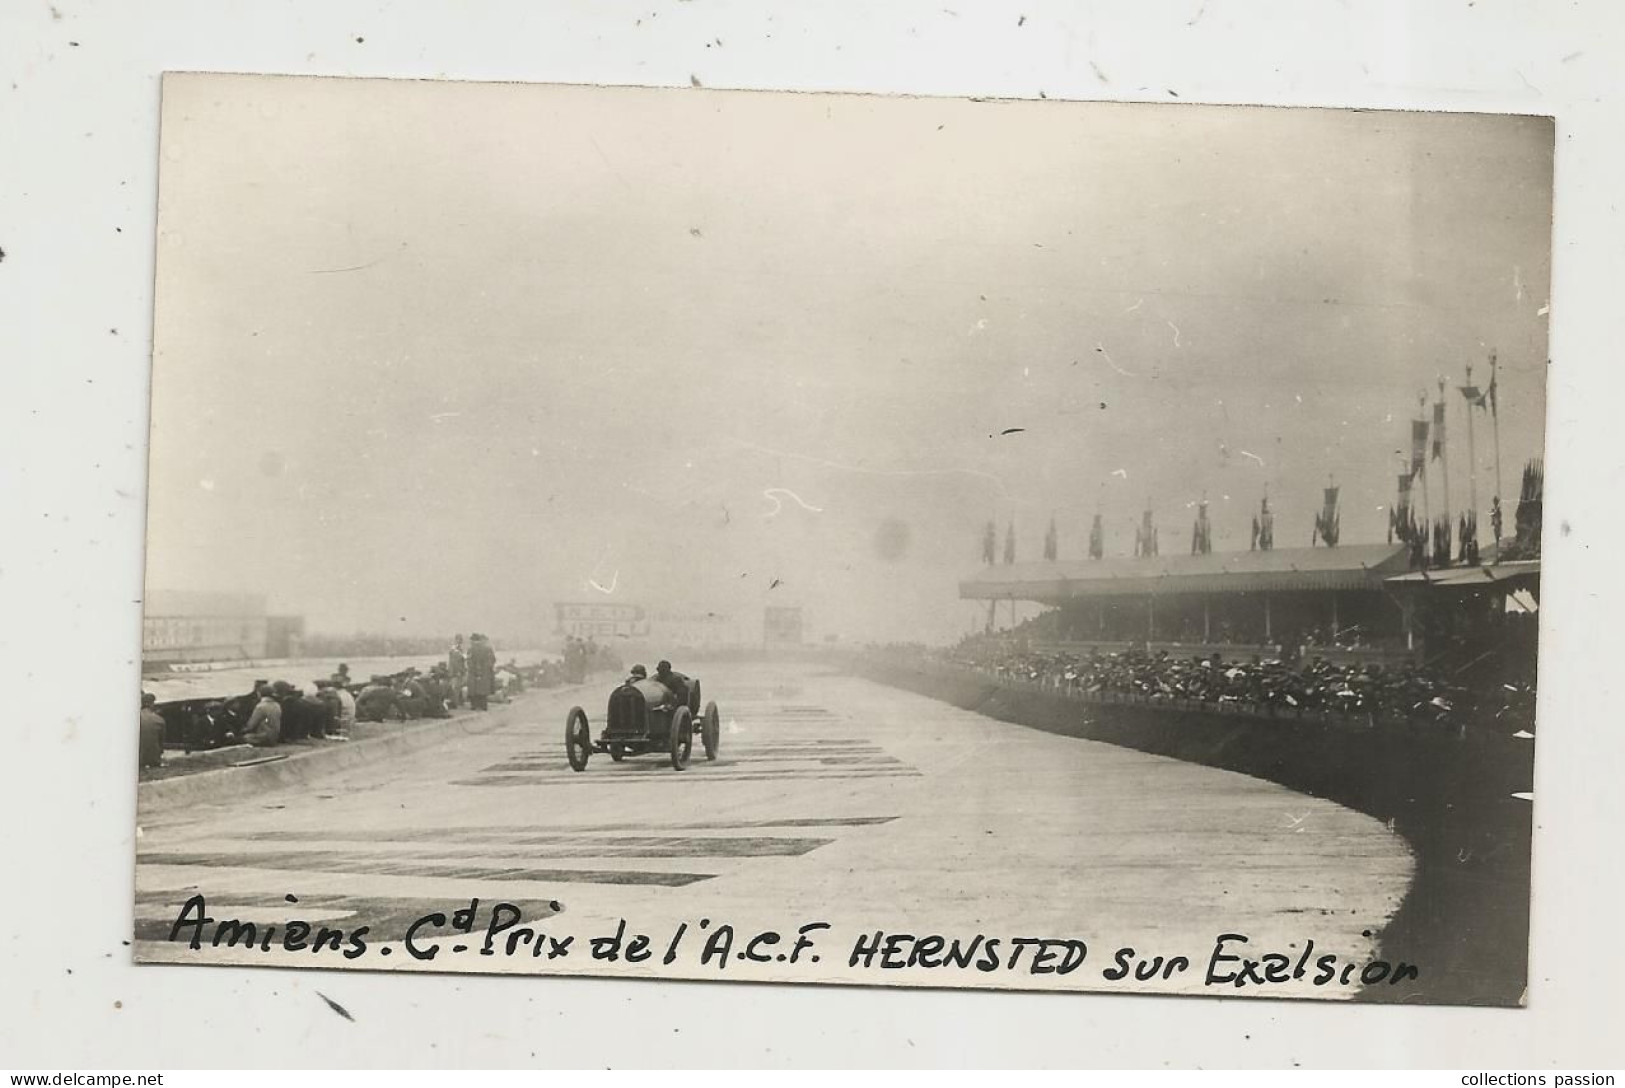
675,683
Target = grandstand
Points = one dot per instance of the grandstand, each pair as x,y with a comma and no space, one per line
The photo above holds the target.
1355,604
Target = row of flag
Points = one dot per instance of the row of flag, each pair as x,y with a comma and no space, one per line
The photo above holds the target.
1422,431
1431,544
1147,538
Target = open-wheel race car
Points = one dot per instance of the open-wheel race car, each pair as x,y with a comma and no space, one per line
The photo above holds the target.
644,716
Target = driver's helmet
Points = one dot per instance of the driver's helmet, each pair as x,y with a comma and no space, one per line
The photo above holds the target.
639,672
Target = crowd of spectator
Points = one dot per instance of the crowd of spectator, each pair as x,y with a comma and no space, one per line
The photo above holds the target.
1272,686
276,712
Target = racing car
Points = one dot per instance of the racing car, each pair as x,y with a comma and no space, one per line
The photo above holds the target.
643,716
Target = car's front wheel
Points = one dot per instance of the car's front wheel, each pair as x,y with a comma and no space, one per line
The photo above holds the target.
577,738
682,737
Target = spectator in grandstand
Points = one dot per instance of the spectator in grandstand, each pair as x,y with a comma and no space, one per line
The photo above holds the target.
1271,686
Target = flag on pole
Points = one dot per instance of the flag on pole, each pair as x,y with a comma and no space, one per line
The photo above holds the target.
1328,521
1419,445
1438,429
1145,537
1399,518
1481,398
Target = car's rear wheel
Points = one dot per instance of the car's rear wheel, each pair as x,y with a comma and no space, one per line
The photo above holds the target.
682,737
711,730
577,738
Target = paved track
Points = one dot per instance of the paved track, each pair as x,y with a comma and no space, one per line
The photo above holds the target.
834,799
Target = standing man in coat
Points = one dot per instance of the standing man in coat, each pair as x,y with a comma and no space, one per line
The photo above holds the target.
482,667
457,666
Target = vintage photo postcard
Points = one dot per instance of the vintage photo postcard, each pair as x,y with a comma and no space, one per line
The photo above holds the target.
844,539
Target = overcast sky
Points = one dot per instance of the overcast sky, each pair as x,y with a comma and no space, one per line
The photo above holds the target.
432,356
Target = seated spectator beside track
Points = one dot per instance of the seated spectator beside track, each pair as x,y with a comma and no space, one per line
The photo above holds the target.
333,698
344,717
410,695
304,717
264,726
209,728
378,701
437,690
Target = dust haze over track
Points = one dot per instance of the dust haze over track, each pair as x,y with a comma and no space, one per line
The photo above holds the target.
520,371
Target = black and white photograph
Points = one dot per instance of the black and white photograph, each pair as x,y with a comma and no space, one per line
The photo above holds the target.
853,539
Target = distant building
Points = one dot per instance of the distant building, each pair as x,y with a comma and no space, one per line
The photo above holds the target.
187,626
601,621
663,630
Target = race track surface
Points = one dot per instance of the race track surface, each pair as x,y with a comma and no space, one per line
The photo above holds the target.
834,800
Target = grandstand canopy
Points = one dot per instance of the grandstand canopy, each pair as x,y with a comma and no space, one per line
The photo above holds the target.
1360,566
1507,576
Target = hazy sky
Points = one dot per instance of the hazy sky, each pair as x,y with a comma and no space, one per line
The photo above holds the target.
433,356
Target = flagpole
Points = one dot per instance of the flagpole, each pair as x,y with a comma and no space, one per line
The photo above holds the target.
992,558
1472,456
1495,424
1444,451
1401,500
1427,512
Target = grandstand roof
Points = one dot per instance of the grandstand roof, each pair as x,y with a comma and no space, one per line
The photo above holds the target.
1493,574
1359,566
